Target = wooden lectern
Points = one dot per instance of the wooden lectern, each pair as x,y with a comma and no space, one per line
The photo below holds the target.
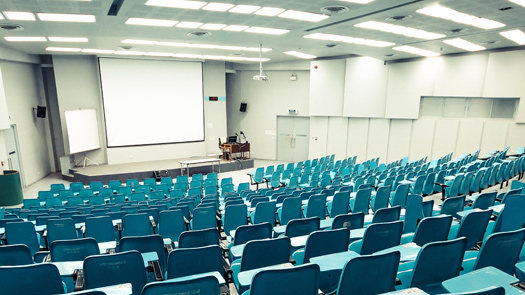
235,151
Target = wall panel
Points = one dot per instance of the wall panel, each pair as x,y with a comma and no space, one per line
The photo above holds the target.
461,76
337,137
399,139
378,133
327,80
469,136
422,136
357,142
515,137
494,136
318,137
445,136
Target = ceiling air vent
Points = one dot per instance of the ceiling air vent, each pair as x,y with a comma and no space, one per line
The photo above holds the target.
334,9
199,33
126,47
398,18
11,27
457,31
330,45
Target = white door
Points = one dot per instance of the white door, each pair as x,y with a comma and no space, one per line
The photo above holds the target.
11,146
292,139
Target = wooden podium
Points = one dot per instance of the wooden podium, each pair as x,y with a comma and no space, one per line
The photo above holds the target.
235,151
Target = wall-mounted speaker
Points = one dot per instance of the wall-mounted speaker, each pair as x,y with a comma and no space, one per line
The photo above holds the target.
243,107
40,112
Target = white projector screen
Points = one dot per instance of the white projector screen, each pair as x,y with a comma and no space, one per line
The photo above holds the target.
82,130
152,102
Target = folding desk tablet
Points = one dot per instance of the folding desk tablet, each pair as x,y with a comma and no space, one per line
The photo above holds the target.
408,251
482,278
245,277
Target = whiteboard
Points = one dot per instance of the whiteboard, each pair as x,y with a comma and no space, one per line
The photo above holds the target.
82,130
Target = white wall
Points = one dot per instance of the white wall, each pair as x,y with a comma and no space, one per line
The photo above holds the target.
327,80
214,77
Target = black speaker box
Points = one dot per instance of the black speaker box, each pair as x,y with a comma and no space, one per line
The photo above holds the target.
243,107
40,112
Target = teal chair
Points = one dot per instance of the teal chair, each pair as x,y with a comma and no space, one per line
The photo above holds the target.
120,268
378,237
192,261
246,233
42,278
208,285
381,198
171,224
386,215
323,242
258,177
199,238
100,228
472,227
349,221
361,202
435,263
291,209
428,185
17,254
136,225
234,216
451,206
399,195
145,244
369,274
484,200
55,188
73,250
429,229
204,218
264,212
339,204
284,281
24,233
302,227
316,207
60,229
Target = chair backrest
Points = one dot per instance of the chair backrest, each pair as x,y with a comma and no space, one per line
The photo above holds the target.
325,242
204,217
235,216
73,250
473,226
261,253
291,209
208,285
22,233
106,270
453,189
400,195
414,212
381,236
316,206
136,225
17,254
340,203
41,278
199,238
387,214
501,250
302,227
512,217
381,198
362,201
369,274
428,186
60,229
192,261
171,224
432,229
349,221
437,262
284,281
246,233
265,212
485,200
464,189
145,244
100,228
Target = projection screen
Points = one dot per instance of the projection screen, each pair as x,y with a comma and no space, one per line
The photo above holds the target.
152,102
82,130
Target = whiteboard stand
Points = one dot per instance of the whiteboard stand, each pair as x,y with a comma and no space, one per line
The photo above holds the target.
85,162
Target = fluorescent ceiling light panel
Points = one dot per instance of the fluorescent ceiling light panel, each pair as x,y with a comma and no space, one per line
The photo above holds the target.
301,15
460,17
161,54
173,44
213,27
1,16
25,39
142,42
150,22
399,30
189,25
416,51
68,39
358,1
235,28
124,52
246,9
177,4
514,35
464,44
19,15
348,39
269,31
63,49
269,11
64,17
97,51
218,6
205,46
300,54
519,2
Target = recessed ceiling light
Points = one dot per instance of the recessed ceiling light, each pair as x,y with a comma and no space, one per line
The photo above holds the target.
68,39
97,51
212,26
126,47
330,46
19,15
519,2
150,22
491,42
199,34
514,35
218,6
129,52
464,44
11,27
63,17
390,55
189,25
269,31
25,39
141,42
300,54
235,28
63,49
177,4
269,11
399,30
358,1
416,51
348,39
301,15
460,17
334,9
246,9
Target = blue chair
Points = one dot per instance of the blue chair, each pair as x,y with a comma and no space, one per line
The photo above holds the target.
290,210
386,214
246,233
100,228
316,206
302,227
284,281
145,244
399,196
378,237
484,200
361,202
381,198
369,274
171,224
208,285
323,242
258,177
73,250
339,204
17,254
199,238
136,225
192,261
264,212
60,229
24,233
106,270
234,216
349,221
204,217
42,278
430,229
472,227
435,263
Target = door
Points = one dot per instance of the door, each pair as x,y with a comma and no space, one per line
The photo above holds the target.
292,139
11,146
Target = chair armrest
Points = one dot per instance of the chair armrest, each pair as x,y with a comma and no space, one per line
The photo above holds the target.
154,266
78,277
407,238
227,271
40,256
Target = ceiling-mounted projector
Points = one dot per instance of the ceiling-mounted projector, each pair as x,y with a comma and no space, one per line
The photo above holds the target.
260,78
